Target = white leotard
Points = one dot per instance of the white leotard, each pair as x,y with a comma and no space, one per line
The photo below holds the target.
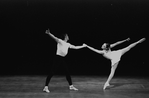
114,56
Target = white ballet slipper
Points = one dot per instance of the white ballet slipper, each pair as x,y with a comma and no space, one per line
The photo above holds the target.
106,85
46,90
73,88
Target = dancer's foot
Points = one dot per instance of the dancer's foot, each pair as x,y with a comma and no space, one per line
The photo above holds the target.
71,87
106,85
46,89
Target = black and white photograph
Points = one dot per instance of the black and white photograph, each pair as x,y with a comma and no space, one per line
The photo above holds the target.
74,48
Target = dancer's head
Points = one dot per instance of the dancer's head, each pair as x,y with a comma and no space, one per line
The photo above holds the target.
105,46
66,38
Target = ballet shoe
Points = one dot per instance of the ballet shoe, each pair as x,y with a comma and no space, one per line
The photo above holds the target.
46,90
73,88
106,85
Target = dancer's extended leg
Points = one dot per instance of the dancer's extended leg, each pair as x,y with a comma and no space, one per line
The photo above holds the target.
131,46
113,68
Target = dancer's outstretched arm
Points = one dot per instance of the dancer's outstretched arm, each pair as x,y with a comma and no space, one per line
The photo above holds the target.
77,47
119,42
51,35
95,50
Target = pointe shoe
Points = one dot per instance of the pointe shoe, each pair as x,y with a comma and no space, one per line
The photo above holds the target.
46,90
106,85
73,88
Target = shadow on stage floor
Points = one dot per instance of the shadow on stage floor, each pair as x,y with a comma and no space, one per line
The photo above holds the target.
89,87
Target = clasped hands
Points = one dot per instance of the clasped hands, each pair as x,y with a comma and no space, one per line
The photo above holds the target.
85,45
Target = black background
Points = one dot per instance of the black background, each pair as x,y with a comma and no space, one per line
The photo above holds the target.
27,50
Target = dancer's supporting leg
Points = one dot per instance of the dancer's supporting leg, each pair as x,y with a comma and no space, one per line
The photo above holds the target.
53,70
47,82
68,77
51,73
113,68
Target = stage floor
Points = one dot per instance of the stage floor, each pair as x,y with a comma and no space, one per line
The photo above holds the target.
89,87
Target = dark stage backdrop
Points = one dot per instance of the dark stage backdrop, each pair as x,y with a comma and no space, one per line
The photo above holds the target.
27,50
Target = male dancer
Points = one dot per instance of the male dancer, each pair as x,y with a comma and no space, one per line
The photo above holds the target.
62,50
114,56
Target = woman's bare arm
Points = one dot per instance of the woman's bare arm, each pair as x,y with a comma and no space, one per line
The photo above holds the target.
95,50
119,42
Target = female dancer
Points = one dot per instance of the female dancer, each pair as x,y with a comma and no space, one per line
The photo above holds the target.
114,56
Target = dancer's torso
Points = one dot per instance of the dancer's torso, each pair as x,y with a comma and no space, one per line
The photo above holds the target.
113,55
62,48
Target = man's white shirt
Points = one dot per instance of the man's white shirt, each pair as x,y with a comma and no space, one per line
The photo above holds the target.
62,47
